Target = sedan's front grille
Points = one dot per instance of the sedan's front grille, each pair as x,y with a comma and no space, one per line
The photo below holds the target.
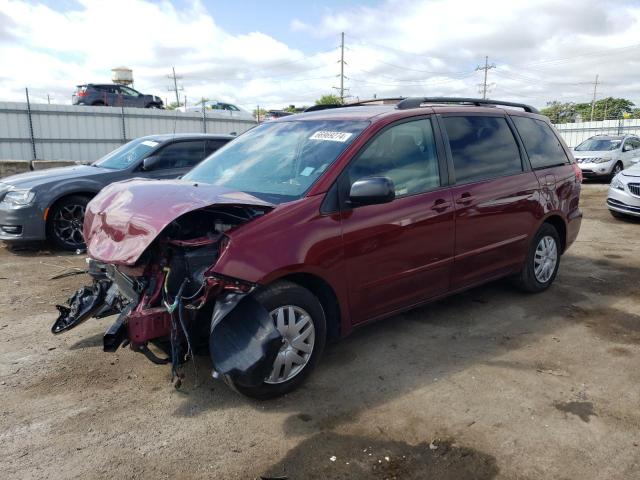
634,188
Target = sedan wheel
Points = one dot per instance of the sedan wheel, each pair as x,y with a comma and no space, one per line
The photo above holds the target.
65,223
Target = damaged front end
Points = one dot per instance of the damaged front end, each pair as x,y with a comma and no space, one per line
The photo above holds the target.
157,275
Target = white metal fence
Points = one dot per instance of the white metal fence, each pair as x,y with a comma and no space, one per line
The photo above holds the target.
67,132
575,133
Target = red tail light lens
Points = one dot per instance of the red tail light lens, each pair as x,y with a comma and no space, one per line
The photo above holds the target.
578,172
81,93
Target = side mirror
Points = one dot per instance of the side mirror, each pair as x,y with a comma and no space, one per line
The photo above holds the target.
372,191
150,162
626,148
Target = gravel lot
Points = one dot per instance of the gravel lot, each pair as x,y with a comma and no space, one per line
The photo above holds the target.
491,383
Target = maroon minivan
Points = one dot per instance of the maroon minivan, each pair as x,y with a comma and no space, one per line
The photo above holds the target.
304,228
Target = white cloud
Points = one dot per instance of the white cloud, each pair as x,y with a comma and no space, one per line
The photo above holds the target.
543,50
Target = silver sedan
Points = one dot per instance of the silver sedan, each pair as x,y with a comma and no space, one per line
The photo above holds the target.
623,198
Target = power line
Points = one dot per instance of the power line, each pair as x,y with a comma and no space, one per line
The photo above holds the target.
593,100
486,69
342,67
175,84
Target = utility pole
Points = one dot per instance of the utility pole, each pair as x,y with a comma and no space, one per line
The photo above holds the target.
486,69
175,88
342,67
593,100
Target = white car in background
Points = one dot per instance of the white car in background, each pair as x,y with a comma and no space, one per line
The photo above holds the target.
222,107
623,198
607,155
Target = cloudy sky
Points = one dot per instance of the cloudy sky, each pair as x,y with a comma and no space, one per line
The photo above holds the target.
275,53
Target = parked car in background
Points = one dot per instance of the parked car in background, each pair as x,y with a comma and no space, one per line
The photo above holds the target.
305,228
50,204
607,155
275,114
623,198
113,95
226,108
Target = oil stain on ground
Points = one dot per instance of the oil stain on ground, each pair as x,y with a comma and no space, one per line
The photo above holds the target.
584,410
608,323
331,455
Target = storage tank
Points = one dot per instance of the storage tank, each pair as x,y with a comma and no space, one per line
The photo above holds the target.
122,75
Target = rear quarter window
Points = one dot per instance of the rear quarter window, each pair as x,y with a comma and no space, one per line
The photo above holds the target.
482,148
542,145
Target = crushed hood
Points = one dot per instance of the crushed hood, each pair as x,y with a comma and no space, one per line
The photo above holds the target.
125,217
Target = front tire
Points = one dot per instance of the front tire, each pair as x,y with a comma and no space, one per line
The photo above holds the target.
542,262
617,168
65,221
299,317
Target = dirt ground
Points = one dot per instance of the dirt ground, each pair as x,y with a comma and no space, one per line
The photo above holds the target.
488,384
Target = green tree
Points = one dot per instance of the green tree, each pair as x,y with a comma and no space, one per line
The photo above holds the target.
329,100
606,108
560,112
174,105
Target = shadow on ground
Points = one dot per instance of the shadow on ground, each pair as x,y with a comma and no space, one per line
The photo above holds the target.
396,356
330,455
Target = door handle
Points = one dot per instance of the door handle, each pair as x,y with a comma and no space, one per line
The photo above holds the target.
465,199
440,205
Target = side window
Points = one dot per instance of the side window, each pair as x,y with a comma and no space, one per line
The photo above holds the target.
128,91
406,153
542,146
213,145
181,154
482,148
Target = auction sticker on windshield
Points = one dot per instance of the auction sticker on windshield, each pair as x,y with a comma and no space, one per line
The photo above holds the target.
150,143
331,136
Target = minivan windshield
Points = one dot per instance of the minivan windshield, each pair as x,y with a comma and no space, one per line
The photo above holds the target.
598,145
278,161
126,155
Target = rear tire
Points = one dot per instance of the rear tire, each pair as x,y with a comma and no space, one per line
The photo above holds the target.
543,259
97,104
274,297
65,222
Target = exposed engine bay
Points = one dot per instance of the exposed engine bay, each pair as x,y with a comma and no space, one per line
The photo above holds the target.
171,305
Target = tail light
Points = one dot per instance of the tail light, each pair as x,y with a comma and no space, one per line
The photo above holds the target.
81,93
578,172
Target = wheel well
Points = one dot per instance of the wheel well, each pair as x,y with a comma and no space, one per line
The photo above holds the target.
558,223
327,297
88,195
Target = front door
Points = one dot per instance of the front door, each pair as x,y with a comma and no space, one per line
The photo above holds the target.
400,253
178,158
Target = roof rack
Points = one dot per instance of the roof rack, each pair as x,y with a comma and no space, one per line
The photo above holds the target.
415,102
370,102
315,108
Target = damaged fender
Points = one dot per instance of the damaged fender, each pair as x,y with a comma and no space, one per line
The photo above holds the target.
244,341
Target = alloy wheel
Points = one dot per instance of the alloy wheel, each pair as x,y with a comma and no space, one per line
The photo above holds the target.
67,225
298,334
545,259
